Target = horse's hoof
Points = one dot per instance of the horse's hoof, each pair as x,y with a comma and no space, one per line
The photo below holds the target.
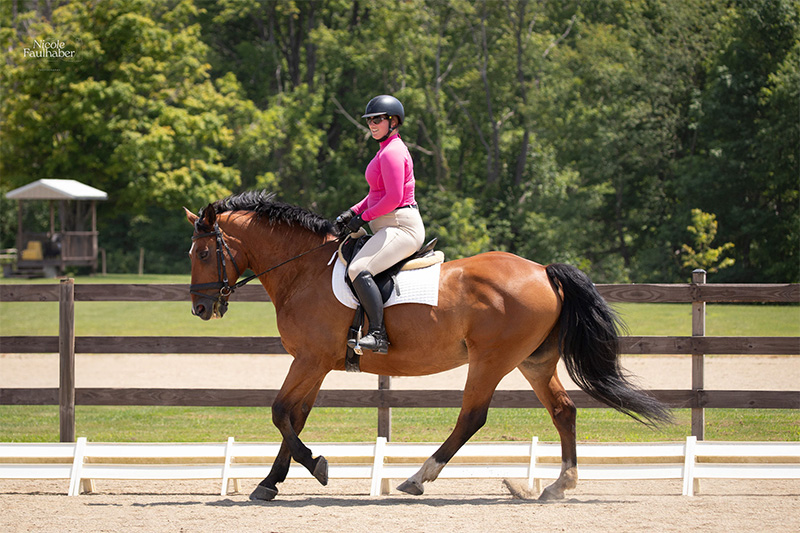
263,494
321,470
411,487
550,495
517,490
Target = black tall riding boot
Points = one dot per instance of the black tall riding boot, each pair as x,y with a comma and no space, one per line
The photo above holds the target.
370,297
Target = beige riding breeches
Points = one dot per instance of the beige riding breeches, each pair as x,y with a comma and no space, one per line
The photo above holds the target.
396,235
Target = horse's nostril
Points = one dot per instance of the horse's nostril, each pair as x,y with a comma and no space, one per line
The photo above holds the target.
198,310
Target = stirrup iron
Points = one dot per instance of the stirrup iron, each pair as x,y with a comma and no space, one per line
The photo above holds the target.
375,341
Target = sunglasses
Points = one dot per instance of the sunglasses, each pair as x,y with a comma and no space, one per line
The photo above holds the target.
377,120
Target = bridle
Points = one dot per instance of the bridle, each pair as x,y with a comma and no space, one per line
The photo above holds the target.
225,289
222,285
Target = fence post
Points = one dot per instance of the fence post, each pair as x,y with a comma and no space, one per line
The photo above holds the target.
698,330
66,359
384,413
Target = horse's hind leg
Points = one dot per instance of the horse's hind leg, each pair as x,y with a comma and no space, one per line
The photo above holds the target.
478,393
540,371
562,411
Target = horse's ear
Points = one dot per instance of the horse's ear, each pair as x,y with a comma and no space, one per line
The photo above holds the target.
191,217
209,215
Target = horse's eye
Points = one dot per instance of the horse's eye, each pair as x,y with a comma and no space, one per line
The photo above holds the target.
203,254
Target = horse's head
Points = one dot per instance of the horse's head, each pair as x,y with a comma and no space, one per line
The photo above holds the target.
214,266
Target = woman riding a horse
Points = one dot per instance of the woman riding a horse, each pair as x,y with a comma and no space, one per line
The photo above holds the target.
391,212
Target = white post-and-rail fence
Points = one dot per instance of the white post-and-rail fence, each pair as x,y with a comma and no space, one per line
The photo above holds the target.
67,345
82,463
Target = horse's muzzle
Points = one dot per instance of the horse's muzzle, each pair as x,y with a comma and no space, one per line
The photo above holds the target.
208,308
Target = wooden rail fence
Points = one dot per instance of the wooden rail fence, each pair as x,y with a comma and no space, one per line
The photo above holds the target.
67,345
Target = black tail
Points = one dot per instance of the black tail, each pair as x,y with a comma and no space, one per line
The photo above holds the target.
589,344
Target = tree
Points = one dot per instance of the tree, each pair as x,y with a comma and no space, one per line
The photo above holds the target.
134,113
462,232
778,142
745,166
700,254
131,109
568,131
266,43
615,107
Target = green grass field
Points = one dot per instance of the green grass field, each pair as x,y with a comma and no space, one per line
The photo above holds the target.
186,424
216,424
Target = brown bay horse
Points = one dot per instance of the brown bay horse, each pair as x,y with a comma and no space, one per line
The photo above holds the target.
496,312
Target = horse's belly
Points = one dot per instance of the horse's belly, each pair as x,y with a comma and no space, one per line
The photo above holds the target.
411,362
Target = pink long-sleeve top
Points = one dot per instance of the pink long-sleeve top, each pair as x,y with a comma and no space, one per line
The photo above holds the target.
390,176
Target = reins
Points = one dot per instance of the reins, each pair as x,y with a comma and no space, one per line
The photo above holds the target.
248,279
225,289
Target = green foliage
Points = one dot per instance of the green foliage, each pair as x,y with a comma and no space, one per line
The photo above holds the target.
745,168
461,230
560,131
135,112
701,254
8,219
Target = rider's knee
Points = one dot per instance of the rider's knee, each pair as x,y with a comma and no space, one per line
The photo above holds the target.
356,268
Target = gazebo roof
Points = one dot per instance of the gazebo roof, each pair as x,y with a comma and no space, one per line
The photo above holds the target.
56,189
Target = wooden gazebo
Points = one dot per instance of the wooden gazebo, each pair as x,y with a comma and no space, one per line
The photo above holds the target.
71,242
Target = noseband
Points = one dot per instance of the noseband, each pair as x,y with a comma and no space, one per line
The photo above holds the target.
226,289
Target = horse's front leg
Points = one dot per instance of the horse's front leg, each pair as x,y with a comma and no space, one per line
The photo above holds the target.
268,488
289,414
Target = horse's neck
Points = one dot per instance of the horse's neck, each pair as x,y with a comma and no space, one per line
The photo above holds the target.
270,246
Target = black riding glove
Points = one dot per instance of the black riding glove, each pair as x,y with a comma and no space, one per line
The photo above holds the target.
340,224
355,223
345,217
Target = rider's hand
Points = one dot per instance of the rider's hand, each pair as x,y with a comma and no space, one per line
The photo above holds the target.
355,223
345,217
340,224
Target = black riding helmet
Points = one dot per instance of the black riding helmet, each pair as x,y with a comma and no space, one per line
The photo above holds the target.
385,105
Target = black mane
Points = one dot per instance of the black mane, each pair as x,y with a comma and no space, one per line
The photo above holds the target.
265,206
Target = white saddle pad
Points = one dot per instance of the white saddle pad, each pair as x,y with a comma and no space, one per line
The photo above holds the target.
419,286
